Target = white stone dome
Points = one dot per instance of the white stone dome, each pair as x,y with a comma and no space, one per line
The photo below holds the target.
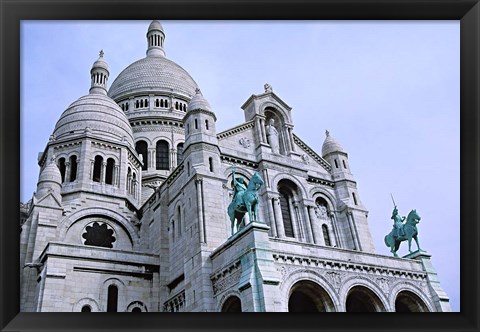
50,174
330,145
153,74
98,114
198,102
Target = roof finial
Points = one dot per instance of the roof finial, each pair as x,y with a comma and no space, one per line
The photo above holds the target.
101,53
327,133
267,87
197,91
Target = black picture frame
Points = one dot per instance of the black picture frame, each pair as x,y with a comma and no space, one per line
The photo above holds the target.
12,12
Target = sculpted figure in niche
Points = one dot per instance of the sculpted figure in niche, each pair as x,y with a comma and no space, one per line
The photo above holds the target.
321,211
272,136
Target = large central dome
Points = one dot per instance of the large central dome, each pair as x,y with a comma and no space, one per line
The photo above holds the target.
155,74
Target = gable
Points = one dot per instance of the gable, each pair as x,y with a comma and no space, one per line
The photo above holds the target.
316,158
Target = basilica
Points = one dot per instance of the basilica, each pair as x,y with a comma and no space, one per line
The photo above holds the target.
131,210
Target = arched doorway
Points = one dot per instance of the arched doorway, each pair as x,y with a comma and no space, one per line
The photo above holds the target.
307,296
409,302
362,299
232,304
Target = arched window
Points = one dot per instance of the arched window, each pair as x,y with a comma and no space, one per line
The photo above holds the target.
176,105
73,168
179,217
137,104
166,103
162,161
97,169
142,148
196,124
126,106
354,199
129,179
286,214
210,163
326,237
141,103
61,166
184,107
157,103
86,308
188,169
206,124
146,102
112,301
336,163
109,171
344,164
232,304
179,153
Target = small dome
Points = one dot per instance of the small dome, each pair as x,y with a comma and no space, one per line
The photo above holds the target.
99,115
155,25
51,173
198,102
330,145
100,63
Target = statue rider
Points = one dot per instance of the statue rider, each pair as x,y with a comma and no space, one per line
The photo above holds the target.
397,223
238,186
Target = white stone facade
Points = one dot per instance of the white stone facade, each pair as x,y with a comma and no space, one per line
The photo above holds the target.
135,217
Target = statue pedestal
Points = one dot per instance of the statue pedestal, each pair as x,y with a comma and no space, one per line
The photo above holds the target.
259,278
440,298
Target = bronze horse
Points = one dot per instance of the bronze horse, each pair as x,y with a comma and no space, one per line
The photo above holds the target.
409,231
245,201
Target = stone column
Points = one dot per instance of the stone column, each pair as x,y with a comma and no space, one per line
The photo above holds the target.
103,172
201,231
262,131
353,230
278,217
151,160
334,234
308,223
117,176
271,215
295,222
290,136
67,171
92,166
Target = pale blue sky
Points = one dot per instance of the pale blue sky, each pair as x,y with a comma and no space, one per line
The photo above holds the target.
388,92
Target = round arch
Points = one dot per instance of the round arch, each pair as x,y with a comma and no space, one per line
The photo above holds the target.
311,278
67,222
143,138
232,304
137,306
228,294
285,176
412,296
284,115
369,287
121,295
87,301
308,296
316,193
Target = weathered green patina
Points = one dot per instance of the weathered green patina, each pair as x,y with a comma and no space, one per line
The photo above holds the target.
245,199
403,231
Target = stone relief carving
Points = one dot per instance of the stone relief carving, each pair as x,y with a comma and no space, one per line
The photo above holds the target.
321,212
245,142
227,281
305,159
334,278
384,284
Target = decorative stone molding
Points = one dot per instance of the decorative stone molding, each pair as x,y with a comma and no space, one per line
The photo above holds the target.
226,279
335,279
245,142
176,303
311,153
239,161
284,258
236,130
